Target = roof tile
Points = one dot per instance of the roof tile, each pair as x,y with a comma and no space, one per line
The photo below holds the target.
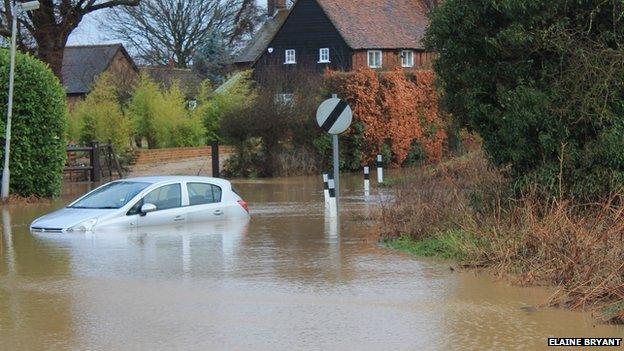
364,24
378,24
262,38
83,63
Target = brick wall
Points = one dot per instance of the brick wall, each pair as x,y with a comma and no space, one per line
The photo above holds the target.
173,154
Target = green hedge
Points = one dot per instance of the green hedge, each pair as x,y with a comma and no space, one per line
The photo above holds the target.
542,82
39,125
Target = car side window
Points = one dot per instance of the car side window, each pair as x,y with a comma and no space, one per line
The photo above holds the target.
165,197
203,193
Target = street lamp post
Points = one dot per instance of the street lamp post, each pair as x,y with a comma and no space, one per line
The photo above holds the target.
26,6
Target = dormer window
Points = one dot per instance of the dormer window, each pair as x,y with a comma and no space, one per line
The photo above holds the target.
290,57
375,59
324,55
407,58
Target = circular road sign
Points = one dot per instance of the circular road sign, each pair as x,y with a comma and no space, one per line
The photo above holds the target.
334,116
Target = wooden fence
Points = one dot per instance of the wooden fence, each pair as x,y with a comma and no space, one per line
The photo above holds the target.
92,162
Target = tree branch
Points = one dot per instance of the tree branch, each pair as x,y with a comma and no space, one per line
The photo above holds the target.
94,7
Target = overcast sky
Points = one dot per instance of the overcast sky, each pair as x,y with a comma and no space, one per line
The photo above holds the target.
88,31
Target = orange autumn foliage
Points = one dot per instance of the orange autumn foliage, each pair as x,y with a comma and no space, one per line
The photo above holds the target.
395,108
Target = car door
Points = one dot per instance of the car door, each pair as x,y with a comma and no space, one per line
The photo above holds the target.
204,202
168,202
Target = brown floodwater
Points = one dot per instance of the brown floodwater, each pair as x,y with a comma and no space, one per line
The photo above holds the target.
287,280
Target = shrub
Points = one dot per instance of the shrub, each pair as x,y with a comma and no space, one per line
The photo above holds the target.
438,198
161,117
394,109
178,127
246,161
284,130
143,111
541,82
214,106
38,127
99,117
74,127
461,209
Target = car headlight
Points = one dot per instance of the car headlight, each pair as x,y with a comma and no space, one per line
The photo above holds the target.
83,226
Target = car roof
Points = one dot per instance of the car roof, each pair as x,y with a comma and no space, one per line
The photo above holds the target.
162,179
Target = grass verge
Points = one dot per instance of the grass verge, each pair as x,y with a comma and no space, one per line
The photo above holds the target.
455,245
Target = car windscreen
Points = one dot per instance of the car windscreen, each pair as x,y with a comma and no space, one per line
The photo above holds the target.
111,196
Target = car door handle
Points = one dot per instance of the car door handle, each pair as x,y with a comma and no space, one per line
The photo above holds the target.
178,218
218,212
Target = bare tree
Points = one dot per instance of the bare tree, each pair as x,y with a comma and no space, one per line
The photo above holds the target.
162,30
49,27
245,21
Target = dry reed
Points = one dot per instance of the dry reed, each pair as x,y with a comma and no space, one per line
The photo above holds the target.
577,248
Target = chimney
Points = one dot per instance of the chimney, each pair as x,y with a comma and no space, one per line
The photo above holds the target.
274,5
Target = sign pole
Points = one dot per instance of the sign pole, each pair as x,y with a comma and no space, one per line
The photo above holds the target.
7,139
336,164
336,169
335,116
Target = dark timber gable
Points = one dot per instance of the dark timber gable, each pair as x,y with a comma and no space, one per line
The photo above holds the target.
306,30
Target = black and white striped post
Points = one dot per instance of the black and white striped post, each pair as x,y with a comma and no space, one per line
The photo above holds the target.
326,188
366,181
334,116
380,178
333,204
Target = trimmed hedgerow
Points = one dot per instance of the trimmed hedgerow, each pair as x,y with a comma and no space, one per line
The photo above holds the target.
38,127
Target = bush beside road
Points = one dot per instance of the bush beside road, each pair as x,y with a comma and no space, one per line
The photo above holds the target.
38,127
463,210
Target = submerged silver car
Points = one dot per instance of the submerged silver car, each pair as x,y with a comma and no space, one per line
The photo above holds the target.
146,202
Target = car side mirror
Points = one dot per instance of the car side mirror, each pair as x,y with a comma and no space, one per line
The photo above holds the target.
147,208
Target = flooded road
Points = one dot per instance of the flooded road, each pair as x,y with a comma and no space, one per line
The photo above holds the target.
284,281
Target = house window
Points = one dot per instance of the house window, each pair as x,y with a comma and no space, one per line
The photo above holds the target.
324,55
285,99
290,58
375,59
407,58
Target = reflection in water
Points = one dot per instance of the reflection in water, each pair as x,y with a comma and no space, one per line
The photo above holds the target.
7,241
331,226
291,278
175,249
186,254
35,312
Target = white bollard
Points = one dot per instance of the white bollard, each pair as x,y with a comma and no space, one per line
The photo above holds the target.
379,169
333,208
326,188
366,181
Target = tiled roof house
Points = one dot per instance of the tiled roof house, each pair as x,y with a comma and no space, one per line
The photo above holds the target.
340,34
82,64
